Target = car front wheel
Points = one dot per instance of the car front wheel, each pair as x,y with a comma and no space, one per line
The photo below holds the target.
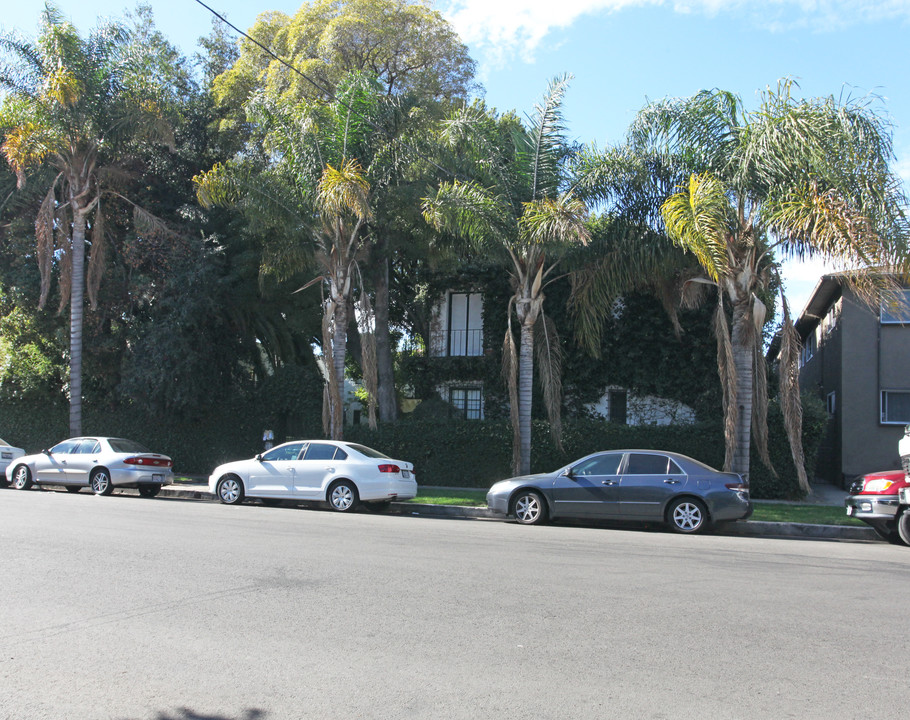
687,515
230,490
903,526
529,508
22,478
342,496
100,483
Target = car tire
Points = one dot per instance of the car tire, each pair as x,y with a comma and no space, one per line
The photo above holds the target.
903,526
529,508
149,490
22,478
100,482
687,516
342,496
230,490
73,488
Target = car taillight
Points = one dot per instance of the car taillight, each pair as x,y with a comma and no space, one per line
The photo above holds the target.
739,487
389,468
151,462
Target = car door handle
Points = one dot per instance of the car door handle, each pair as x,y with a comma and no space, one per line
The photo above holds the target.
607,482
671,482
330,469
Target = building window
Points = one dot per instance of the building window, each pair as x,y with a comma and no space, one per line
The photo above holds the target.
896,310
895,407
618,401
831,403
807,352
468,402
465,333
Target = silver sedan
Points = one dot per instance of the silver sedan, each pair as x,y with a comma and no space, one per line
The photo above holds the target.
8,453
641,485
101,463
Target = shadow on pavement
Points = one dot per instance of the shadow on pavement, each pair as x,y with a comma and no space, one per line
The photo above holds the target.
189,714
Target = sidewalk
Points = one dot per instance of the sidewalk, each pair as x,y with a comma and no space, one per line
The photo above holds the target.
821,495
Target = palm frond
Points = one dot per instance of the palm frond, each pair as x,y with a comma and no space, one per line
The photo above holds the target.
44,234
547,142
551,222
470,211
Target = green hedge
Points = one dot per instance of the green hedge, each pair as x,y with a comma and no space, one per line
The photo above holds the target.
449,453
476,454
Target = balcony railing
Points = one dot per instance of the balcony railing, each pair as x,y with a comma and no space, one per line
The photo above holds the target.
465,343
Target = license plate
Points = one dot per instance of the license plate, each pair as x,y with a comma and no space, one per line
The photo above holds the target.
405,473
7,456
157,477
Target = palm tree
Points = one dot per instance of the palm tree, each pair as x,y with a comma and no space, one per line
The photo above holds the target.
310,201
737,191
518,205
73,104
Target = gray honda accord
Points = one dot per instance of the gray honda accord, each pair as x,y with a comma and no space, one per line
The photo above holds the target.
638,485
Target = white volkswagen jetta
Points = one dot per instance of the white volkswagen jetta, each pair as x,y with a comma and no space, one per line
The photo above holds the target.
342,474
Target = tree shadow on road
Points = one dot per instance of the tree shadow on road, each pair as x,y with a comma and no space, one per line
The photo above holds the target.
189,714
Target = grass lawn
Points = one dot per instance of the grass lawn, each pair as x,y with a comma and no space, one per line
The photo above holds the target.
764,511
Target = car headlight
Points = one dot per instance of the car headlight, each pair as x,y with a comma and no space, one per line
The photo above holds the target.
877,485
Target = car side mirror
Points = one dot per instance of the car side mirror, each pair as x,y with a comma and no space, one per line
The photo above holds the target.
46,451
569,474
259,457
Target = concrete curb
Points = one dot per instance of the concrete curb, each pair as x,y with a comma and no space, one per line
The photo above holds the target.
748,528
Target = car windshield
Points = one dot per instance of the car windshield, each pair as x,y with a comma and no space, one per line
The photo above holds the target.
126,446
369,452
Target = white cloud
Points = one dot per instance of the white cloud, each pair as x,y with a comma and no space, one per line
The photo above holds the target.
502,29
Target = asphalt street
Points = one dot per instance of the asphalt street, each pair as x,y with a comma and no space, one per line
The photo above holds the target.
167,609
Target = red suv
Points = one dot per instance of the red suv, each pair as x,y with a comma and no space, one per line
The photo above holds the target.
874,499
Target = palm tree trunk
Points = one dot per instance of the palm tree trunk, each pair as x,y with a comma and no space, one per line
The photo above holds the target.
387,399
339,352
743,339
525,391
77,293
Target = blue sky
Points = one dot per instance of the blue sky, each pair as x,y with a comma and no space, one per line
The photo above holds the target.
624,52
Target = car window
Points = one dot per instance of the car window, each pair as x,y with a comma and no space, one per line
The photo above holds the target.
599,465
65,447
3,442
283,452
89,446
319,451
126,446
641,464
368,452
674,469
340,454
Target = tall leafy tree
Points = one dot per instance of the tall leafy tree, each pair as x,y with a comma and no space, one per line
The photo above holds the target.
310,197
76,105
520,207
738,190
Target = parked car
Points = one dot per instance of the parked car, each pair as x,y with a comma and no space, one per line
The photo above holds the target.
101,463
874,499
642,485
342,474
8,453
903,515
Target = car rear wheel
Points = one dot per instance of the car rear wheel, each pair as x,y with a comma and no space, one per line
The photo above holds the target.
230,490
149,490
903,526
100,483
529,508
73,488
687,515
342,496
22,478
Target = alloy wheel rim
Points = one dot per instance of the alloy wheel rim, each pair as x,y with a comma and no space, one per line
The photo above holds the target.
342,497
21,478
99,482
527,508
687,516
229,491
